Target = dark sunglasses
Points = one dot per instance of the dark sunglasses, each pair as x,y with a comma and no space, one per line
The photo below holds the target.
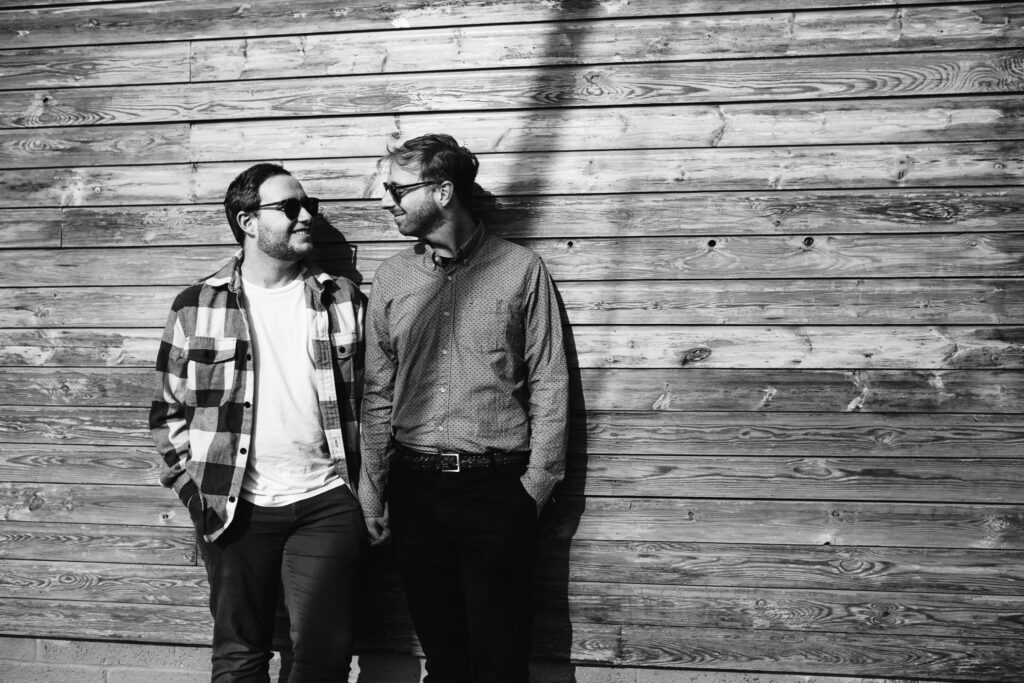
399,191
293,206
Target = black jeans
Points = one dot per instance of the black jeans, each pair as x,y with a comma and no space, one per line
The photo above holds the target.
311,550
465,548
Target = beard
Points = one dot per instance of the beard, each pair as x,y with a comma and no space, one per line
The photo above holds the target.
283,249
422,221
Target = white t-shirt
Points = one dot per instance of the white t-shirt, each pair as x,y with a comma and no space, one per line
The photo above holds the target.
289,459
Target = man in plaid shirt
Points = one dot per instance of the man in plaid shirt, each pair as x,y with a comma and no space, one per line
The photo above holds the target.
260,373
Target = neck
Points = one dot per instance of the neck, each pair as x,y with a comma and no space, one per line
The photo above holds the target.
266,271
452,234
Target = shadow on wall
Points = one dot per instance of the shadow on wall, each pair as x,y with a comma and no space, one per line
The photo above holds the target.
334,253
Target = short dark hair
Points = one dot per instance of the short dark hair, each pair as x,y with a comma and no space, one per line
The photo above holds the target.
244,193
439,157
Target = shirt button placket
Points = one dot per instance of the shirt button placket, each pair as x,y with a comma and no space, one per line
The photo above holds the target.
448,318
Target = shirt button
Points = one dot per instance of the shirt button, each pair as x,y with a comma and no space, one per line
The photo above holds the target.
444,352
231,499
446,314
242,451
440,428
442,390
449,278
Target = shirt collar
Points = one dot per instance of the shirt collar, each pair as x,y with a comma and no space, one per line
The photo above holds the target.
464,253
230,275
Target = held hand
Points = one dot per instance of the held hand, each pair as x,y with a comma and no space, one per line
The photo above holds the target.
378,529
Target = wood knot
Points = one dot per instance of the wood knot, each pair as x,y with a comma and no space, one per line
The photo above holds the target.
695,355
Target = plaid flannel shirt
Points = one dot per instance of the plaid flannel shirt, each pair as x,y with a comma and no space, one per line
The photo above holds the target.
201,416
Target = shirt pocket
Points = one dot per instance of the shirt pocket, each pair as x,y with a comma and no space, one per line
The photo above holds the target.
344,345
210,374
484,325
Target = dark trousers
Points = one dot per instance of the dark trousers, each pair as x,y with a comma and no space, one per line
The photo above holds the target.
310,550
465,548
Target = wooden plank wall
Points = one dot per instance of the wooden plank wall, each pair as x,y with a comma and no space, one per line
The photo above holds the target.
788,237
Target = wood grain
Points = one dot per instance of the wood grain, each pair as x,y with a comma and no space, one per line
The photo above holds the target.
80,464
968,480
925,301
161,20
64,542
821,567
30,229
669,390
970,255
627,346
104,582
857,523
694,170
755,609
89,65
636,215
889,435
899,120
663,39
786,79
91,504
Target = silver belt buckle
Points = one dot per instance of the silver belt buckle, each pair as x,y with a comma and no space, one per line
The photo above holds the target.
450,462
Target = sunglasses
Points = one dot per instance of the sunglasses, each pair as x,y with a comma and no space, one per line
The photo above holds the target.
399,191
292,206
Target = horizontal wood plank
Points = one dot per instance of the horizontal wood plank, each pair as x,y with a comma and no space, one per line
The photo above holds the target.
104,582
821,567
799,78
751,609
650,346
684,389
80,464
89,65
886,435
547,130
898,477
162,20
970,255
668,390
857,523
844,522
42,147
626,346
610,644
31,229
739,302
754,609
98,543
663,39
969,480
92,504
836,654
733,169
76,427
519,217
803,302
889,435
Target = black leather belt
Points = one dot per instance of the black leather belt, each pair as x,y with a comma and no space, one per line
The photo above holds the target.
454,461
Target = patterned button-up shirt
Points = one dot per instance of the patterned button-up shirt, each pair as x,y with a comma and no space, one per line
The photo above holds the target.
465,355
201,416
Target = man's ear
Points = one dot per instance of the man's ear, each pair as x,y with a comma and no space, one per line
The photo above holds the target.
447,191
247,222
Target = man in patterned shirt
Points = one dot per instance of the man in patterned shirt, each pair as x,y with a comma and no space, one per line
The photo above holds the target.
255,416
464,416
